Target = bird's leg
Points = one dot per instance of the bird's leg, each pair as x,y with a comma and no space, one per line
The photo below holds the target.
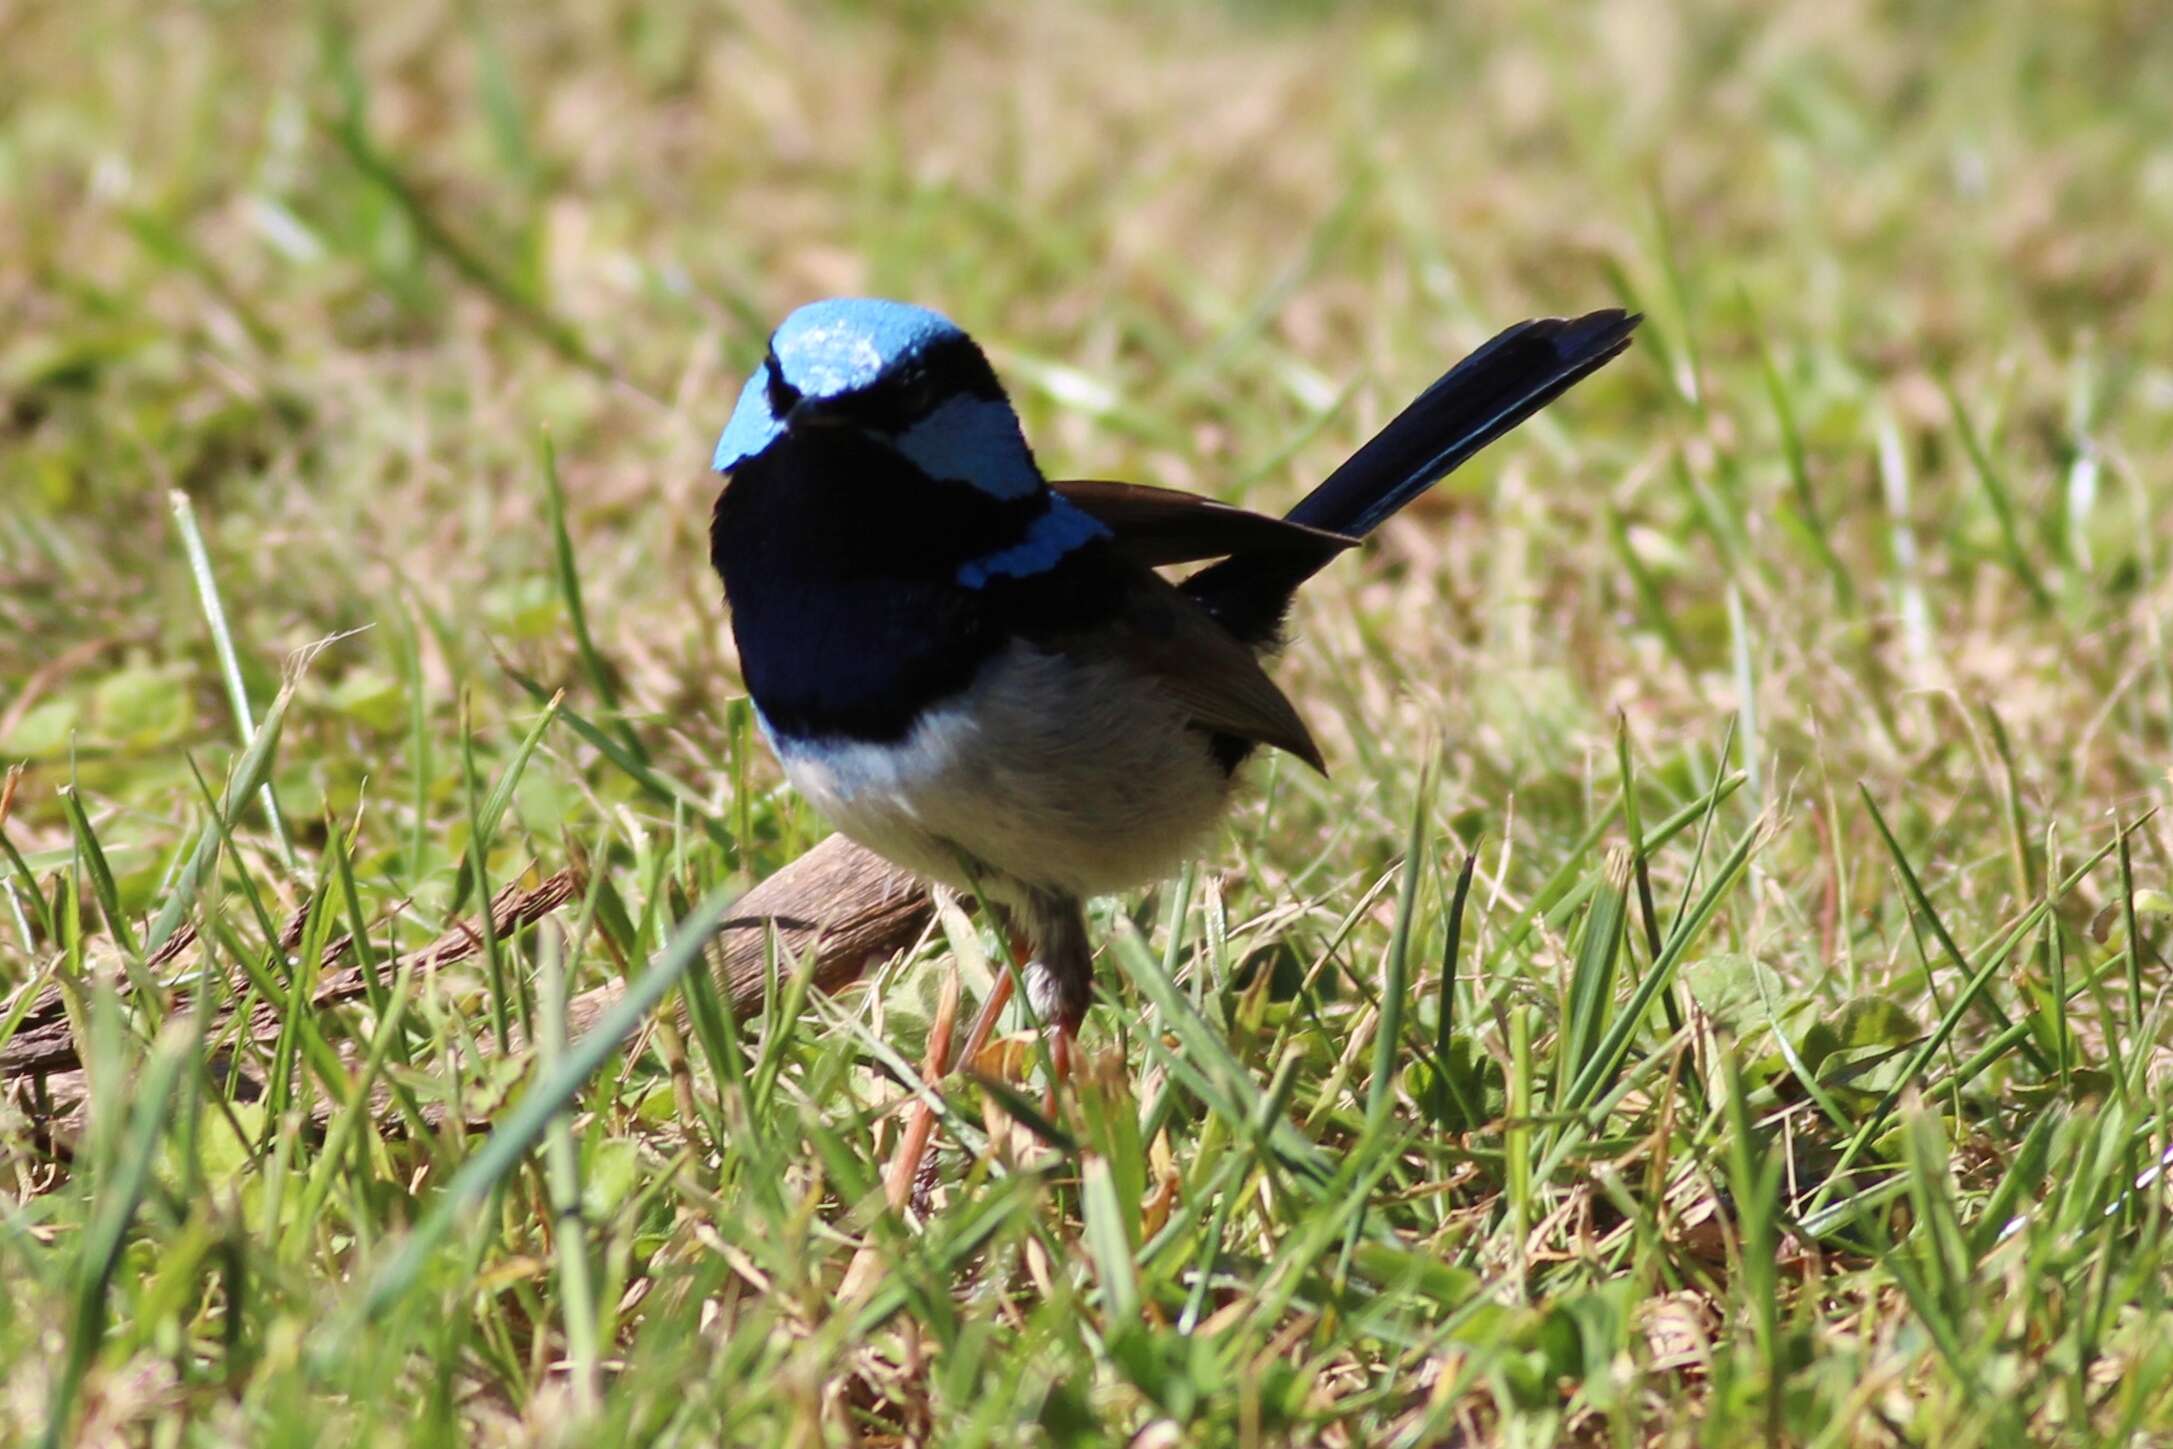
1060,980
912,1171
1046,932
1049,949
910,1178
999,996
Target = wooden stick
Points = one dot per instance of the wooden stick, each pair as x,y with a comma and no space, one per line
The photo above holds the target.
852,906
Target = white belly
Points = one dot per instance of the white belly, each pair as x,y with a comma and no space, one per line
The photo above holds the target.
1067,776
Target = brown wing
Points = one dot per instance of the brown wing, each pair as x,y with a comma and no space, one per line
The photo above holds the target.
1158,526
1217,679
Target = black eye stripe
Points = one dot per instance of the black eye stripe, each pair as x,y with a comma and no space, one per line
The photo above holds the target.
905,394
782,394
919,392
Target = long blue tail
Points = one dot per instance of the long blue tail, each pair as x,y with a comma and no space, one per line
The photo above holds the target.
1472,404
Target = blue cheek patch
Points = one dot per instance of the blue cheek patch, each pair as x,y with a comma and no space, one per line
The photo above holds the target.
1057,532
973,440
753,426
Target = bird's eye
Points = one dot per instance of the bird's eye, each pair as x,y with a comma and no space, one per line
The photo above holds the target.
917,396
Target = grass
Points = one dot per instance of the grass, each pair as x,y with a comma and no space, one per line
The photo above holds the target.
1719,996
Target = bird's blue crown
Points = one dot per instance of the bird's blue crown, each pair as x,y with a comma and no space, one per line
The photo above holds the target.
902,374
843,344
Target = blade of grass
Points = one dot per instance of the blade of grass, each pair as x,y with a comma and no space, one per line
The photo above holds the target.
21,874
1395,969
2135,945
478,870
1746,689
285,1088
222,643
352,1116
119,1195
419,754
250,772
577,614
1754,1177
1592,975
562,1175
1994,958
1606,1058
1204,1056
1444,1026
1249,1153
1799,478
658,787
519,1130
1556,884
1638,859
1652,604
485,818
1995,492
1992,1009
1690,375
1517,1140
102,883
1916,614
1108,1244
479,271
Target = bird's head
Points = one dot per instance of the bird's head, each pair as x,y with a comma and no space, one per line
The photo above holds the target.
901,375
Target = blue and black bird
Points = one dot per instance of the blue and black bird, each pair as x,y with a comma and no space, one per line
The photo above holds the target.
979,673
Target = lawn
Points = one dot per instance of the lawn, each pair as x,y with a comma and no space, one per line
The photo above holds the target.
1718,995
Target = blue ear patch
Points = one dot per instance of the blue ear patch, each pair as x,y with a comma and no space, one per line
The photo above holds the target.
973,440
837,346
753,426
1064,527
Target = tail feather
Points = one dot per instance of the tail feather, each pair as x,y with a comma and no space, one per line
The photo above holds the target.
1473,403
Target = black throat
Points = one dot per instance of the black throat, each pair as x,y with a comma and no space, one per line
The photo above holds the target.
840,562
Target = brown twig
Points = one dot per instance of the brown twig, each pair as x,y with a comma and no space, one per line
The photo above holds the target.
852,907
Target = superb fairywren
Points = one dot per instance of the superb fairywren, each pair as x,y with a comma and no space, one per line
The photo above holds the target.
978,673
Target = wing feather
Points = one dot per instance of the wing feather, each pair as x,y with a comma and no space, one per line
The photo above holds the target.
1217,680
1159,526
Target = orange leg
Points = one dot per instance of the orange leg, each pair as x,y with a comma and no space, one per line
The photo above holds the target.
911,1174
912,1161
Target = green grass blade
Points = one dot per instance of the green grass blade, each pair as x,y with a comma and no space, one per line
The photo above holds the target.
222,643
1395,971
1991,1008
99,1254
471,264
1995,492
569,589
1591,984
1994,959
1799,479
553,1091
1107,1241
563,1176
353,1114
1445,1023
252,770
1606,1058
102,883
